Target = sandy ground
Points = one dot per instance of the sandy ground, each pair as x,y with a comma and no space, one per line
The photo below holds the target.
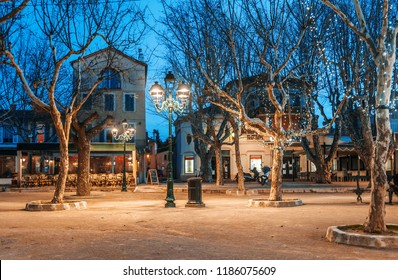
136,226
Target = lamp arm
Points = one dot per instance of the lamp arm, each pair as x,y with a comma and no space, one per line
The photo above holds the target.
124,137
162,107
178,107
118,137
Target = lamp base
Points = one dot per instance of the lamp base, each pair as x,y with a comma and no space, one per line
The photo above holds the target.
170,204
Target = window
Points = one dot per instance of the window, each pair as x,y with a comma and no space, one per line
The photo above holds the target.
189,164
129,102
189,139
255,161
109,102
111,80
88,104
40,132
106,136
7,134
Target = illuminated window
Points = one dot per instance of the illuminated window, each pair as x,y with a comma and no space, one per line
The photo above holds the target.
255,161
40,132
189,164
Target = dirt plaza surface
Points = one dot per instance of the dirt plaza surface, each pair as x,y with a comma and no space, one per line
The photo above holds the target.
136,226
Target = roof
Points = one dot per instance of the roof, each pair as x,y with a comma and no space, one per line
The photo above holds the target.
118,52
111,49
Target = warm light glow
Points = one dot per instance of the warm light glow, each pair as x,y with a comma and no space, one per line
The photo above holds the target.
182,94
130,131
157,93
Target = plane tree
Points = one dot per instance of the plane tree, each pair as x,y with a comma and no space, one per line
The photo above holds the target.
319,97
276,34
68,29
381,44
257,42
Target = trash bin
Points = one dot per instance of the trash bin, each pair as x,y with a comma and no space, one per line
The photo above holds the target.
195,192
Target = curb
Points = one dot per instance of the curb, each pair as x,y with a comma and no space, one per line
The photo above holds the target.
277,203
338,235
41,205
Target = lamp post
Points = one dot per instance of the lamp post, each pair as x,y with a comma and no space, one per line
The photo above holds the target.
126,135
163,101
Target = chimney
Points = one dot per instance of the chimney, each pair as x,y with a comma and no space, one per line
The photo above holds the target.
140,55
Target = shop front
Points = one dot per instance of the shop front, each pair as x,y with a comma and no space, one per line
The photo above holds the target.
43,159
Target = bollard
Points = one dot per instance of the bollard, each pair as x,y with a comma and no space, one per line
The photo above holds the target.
195,192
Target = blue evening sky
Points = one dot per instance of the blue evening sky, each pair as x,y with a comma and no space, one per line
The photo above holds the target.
157,68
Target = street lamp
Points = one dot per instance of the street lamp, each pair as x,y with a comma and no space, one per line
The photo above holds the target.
163,101
126,135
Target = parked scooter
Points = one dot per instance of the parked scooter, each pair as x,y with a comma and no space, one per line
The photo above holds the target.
247,177
263,178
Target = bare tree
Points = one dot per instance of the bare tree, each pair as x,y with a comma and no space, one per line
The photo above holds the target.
349,65
274,27
208,123
266,70
11,94
13,9
382,47
316,95
69,28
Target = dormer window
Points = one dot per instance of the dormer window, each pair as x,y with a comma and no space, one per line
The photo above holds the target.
112,80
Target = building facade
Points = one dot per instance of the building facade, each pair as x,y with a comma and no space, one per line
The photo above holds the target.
120,94
28,142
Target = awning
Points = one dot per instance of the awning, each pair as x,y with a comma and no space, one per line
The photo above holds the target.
113,148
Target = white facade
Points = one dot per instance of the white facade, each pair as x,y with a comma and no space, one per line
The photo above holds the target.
254,151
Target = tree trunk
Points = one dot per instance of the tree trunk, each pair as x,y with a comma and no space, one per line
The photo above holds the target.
323,174
241,179
276,173
63,173
205,159
83,171
206,167
219,166
239,167
375,221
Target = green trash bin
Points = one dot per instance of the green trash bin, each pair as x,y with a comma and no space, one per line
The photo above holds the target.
195,192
